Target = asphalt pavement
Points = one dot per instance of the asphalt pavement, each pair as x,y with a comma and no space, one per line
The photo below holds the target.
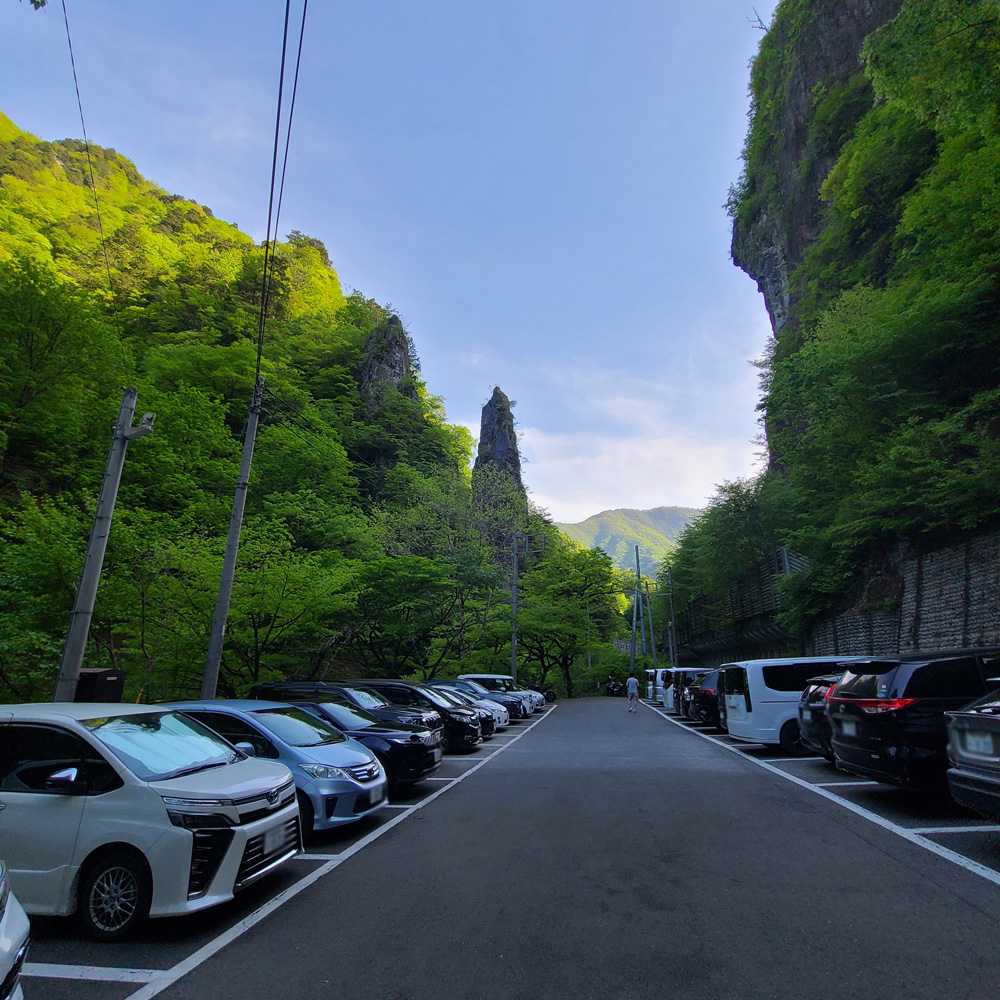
613,855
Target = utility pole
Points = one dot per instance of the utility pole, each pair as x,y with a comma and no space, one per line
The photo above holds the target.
93,560
516,540
652,634
210,679
638,597
672,634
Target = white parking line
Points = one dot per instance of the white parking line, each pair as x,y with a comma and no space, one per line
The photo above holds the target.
162,980
94,973
901,831
789,760
985,828
844,784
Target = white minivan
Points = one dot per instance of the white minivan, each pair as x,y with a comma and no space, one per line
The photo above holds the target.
661,684
762,696
119,812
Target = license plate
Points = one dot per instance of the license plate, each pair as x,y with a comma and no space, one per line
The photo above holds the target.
979,743
274,840
437,754
378,795
850,728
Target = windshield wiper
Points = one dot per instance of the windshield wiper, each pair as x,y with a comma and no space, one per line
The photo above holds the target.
197,767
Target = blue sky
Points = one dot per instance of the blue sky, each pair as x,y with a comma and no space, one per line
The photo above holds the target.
535,186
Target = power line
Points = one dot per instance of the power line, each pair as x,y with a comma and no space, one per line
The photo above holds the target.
93,181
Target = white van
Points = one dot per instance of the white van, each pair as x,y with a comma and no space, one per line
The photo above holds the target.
762,696
119,812
661,684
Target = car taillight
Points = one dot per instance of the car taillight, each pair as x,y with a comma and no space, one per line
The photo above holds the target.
876,706
829,691
710,691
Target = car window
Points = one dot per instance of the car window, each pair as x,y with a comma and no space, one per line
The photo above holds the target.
958,677
298,728
236,730
788,676
736,680
346,716
368,698
160,745
31,754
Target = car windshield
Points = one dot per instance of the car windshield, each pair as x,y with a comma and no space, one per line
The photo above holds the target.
155,746
453,697
436,698
475,688
298,728
347,716
367,698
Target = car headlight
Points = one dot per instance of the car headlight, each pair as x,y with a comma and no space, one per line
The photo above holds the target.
324,771
198,821
404,739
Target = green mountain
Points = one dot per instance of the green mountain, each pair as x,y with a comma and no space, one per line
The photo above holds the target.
655,531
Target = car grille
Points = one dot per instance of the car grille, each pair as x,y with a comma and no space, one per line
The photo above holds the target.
7,986
255,861
431,739
285,793
363,772
209,849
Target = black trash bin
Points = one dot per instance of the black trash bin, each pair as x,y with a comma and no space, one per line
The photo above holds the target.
104,684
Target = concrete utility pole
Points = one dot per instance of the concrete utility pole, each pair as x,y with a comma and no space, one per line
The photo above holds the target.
652,634
210,680
672,634
516,539
638,597
93,560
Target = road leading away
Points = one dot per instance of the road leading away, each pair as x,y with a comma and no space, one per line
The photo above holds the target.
616,855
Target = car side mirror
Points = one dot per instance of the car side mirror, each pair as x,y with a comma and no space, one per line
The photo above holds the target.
66,781
246,748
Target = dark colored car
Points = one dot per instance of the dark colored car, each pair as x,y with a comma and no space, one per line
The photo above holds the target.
357,695
723,721
461,725
704,705
692,679
408,753
511,702
681,678
487,720
888,715
814,723
974,751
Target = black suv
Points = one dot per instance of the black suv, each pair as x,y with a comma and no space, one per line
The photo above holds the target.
408,753
887,716
356,694
814,723
461,725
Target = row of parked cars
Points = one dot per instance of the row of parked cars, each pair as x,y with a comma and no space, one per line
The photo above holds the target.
927,721
120,812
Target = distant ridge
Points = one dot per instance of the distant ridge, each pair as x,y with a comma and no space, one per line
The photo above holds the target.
655,531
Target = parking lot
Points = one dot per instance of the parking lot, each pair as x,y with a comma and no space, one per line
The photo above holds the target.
63,963
591,854
935,823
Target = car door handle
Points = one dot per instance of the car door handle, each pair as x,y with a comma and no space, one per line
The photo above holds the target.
3,805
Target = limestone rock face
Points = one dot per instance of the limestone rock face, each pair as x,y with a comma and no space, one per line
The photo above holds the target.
387,364
825,44
498,439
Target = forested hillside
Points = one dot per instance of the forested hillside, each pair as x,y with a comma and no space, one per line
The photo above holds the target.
362,550
868,210
617,532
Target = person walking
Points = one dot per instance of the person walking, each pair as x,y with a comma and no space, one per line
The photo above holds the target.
632,686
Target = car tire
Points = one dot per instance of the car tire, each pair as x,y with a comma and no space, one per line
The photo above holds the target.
790,738
115,893
307,815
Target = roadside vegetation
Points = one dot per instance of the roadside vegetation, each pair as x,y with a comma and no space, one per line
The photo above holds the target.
363,550
880,398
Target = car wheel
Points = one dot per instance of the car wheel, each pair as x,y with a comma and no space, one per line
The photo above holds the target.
307,817
115,893
790,738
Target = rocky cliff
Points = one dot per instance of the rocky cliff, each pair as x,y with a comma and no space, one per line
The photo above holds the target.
387,364
808,92
498,439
